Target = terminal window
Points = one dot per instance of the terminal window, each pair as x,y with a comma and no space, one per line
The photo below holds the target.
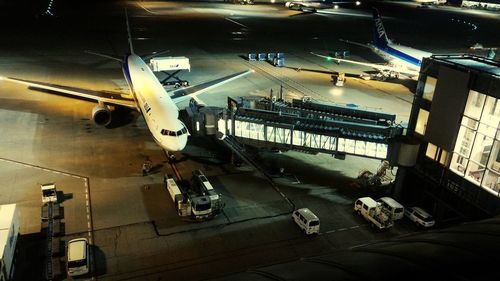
430,86
423,116
476,154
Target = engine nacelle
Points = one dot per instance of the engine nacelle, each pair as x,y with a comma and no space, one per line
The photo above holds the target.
101,115
289,5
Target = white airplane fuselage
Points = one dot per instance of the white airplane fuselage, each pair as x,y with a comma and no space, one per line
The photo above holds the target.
308,4
401,56
160,112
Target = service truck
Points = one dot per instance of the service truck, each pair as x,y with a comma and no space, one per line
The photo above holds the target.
179,198
199,201
373,212
205,188
49,193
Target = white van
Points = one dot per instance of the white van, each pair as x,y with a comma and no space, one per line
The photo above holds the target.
78,257
306,220
395,210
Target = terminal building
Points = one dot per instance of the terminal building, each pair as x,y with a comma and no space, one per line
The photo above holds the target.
455,116
455,120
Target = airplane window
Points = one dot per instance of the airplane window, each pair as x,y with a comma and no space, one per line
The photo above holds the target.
181,132
166,132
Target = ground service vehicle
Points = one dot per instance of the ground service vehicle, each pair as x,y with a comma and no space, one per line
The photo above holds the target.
373,212
78,257
306,220
49,193
395,210
200,201
419,216
181,202
203,187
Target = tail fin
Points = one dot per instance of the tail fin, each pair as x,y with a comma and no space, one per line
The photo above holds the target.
379,35
129,34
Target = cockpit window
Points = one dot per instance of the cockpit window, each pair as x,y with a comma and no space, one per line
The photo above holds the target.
181,132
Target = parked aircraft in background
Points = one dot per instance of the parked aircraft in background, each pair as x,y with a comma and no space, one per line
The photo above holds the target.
401,60
313,5
431,2
147,96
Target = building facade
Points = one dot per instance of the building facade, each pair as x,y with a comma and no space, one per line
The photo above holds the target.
456,118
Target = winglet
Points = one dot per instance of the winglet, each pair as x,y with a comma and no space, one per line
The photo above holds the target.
103,55
129,34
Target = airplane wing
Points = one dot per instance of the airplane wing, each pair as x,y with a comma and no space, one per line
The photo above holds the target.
380,67
105,97
193,91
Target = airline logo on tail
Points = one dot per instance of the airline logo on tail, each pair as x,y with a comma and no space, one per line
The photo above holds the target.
380,36
379,27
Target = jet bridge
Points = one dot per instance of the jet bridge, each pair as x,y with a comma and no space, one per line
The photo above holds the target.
304,125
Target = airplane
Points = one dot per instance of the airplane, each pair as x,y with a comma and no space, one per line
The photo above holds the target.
313,5
401,60
147,96
431,2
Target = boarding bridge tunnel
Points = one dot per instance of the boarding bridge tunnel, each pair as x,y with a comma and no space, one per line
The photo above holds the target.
304,125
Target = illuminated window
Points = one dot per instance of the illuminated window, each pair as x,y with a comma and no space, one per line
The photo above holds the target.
476,156
474,106
423,116
431,151
443,159
430,86
436,153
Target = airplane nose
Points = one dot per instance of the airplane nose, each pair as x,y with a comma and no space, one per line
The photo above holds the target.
178,144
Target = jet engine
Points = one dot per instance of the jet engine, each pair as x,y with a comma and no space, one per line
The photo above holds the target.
289,5
101,115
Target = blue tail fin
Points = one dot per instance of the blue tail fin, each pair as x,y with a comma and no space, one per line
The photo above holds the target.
379,35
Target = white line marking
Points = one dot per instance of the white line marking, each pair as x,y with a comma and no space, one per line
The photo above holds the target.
343,229
235,22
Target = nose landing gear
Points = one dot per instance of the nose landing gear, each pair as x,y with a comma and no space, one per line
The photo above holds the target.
170,157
